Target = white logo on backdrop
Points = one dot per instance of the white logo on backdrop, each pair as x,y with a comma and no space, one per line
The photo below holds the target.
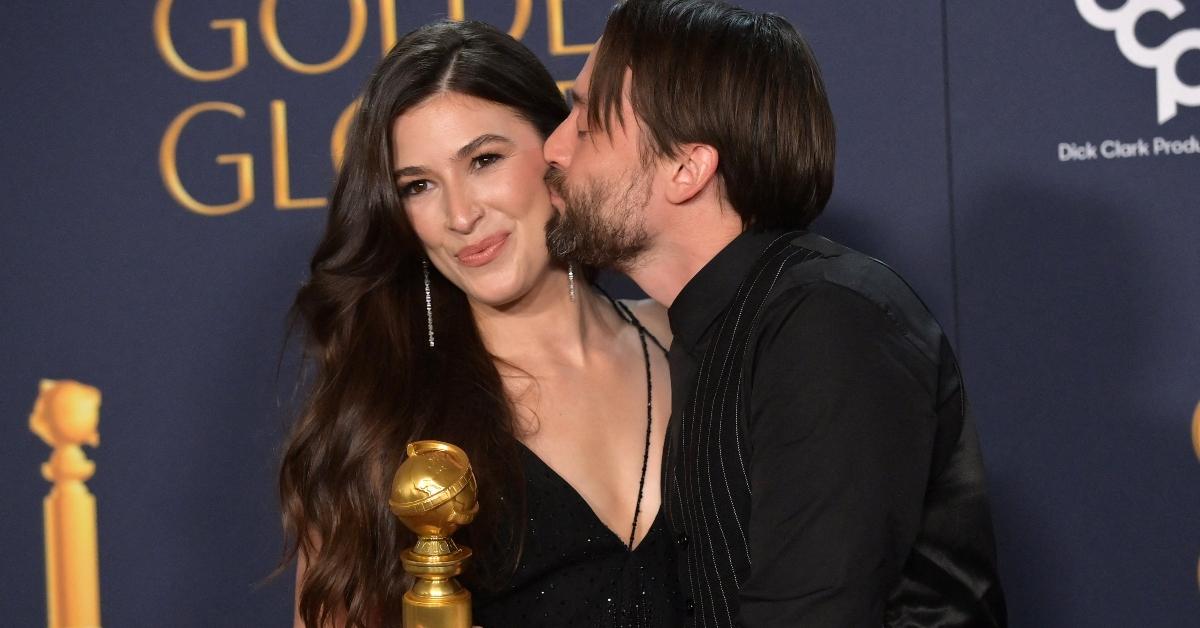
1172,91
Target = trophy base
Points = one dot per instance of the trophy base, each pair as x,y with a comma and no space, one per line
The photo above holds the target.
436,599
449,606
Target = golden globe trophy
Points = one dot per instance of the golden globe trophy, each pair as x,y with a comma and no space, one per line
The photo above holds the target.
433,493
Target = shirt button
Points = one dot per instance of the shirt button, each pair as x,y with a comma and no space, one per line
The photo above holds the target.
682,540
691,607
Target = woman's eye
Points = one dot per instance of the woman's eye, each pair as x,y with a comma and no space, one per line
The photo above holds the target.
483,161
414,188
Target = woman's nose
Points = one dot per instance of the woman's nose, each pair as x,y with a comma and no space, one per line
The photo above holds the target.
462,212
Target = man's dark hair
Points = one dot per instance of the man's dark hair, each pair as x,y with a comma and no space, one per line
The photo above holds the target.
744,83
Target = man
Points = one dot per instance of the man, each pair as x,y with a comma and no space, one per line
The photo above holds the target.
821,467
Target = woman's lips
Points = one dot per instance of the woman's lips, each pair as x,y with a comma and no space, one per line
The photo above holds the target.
483,251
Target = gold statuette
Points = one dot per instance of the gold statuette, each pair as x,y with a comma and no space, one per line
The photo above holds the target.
66,415
433,493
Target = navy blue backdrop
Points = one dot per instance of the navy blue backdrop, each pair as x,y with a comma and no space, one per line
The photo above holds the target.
1034,180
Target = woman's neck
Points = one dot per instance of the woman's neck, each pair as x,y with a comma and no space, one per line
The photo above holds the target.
545,326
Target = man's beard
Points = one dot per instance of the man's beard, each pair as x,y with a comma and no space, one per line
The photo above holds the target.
583,232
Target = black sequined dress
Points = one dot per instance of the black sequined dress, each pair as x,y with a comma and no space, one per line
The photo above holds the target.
574,572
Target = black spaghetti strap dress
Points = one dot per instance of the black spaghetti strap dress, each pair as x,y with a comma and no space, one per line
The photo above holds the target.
573,571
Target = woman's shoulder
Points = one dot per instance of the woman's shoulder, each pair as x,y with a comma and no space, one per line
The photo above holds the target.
653,317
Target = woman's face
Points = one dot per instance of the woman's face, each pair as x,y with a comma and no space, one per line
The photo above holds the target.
470,174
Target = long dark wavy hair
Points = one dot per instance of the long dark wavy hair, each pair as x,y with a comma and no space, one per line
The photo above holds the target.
372,382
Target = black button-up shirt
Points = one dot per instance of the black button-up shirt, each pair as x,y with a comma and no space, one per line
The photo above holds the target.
821,467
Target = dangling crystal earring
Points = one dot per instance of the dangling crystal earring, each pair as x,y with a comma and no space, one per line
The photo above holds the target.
571,279
428,300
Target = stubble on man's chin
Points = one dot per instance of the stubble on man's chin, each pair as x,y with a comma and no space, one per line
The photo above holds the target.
580,234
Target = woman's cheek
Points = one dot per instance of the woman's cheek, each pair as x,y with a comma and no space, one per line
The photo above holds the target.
424,222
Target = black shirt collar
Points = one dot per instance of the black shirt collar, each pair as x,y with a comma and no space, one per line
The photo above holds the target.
709,292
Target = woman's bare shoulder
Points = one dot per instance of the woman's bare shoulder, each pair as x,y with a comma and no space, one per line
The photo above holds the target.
653,317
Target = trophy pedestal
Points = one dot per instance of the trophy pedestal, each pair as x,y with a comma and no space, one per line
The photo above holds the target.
436,599
450,607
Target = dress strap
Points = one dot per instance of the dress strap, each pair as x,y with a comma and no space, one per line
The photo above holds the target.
627,314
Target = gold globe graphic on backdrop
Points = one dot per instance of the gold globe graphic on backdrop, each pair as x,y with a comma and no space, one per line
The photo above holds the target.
433,494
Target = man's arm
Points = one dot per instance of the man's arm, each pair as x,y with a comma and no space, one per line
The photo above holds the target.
841,428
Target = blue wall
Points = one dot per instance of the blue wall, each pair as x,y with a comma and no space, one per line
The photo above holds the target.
1072,288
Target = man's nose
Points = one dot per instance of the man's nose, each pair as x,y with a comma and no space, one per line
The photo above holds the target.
559,146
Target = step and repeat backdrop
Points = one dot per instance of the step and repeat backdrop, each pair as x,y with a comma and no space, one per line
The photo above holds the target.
1031,166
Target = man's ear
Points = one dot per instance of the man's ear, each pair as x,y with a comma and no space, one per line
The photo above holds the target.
693,169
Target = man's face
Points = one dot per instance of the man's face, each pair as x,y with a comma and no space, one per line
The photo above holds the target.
600,184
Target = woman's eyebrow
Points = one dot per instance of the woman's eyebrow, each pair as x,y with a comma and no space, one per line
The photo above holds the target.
474,144
409,171
463,153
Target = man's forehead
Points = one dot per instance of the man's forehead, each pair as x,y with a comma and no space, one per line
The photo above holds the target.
584,79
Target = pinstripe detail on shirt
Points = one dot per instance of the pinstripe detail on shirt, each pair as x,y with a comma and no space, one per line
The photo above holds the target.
709,443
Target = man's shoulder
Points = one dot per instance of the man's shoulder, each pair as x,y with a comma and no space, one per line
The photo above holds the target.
827,261
825,269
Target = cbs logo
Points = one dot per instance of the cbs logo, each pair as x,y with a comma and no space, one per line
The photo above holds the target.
1164,59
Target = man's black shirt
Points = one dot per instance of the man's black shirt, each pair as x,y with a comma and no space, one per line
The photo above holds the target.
821,466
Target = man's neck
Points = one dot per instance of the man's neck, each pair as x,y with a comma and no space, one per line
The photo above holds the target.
682,250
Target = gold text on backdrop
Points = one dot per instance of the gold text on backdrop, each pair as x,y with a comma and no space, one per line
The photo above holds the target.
239,60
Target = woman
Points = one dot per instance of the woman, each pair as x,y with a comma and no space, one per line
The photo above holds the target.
435,311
